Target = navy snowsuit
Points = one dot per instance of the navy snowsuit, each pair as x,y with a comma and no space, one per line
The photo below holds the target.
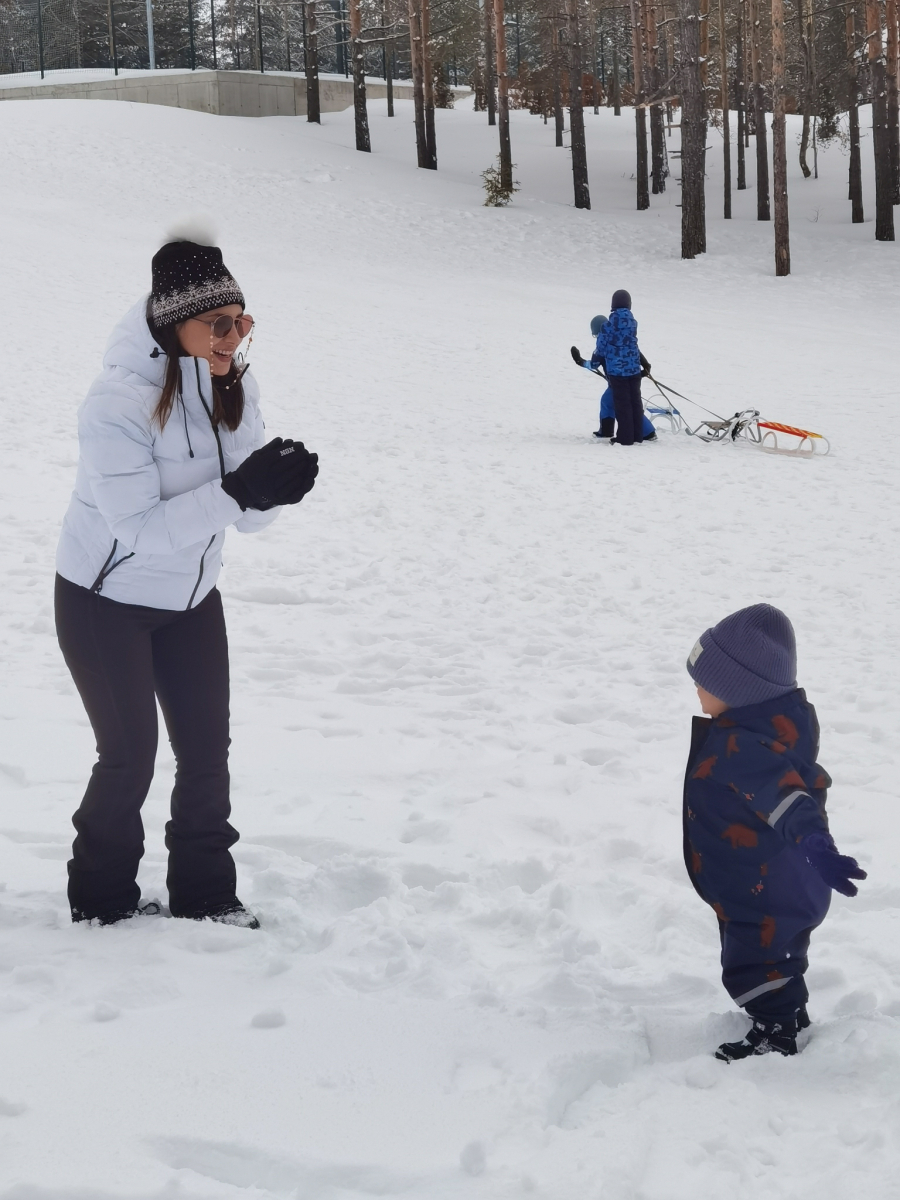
752,791
617,345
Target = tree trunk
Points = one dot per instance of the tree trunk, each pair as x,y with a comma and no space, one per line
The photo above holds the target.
704,43
313,104
559,119
658,170
616,90
779,144
576,111
593,19
726,115
893,116
884,212
428,85
855,182
506,176
640,114
489,85
740,100
763,212
360,113
807,48
693,134
415,55
388,59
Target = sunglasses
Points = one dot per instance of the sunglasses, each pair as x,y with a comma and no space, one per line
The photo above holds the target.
222,326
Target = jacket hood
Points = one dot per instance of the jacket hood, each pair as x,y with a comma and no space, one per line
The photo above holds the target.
132,347
758,717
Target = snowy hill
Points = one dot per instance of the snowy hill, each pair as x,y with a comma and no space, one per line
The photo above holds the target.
460,706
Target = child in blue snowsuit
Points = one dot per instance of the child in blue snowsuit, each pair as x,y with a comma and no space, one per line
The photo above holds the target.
617,348
756,840
607,428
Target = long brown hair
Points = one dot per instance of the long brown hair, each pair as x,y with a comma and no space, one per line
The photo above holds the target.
228,403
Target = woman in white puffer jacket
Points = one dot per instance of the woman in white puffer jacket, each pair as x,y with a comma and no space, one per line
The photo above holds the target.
171,454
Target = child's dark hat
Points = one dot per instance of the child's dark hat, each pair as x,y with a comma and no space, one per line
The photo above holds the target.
749,657
621,299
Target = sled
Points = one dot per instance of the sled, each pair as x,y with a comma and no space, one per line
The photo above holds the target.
748,425
745,426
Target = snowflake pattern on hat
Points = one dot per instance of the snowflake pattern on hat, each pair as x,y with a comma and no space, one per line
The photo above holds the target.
189,278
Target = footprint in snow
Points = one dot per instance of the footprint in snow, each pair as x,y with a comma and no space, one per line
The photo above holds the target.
270,1018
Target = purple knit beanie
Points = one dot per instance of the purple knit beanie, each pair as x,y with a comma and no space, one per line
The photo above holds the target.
748,657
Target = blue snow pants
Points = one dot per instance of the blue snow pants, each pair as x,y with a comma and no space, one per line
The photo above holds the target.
766,983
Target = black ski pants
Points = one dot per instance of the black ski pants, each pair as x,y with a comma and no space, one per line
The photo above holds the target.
626,390
123,657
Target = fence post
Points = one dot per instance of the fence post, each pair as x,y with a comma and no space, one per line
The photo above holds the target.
151,47
40,37
191,34
259,36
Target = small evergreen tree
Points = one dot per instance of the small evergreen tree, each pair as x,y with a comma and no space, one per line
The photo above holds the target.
497,194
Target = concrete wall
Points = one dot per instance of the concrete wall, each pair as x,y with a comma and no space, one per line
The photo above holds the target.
226,93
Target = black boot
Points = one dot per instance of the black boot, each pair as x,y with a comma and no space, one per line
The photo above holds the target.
230,913
802,1019
765,1037
151,909
607,427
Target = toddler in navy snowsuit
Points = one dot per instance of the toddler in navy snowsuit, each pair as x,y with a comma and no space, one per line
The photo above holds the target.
617,348
756,840
607,404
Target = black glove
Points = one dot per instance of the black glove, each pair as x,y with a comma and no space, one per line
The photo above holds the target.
576,356
645,367
281,472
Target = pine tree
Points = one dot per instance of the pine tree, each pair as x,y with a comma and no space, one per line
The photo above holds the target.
576,111
693,133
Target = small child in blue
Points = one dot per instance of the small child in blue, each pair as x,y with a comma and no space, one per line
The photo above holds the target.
756,840
617,351
607,428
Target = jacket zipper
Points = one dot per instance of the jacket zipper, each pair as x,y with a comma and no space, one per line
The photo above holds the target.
221,472
215,427
200,573
107,570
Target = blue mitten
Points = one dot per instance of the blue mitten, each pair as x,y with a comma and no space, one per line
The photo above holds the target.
836,869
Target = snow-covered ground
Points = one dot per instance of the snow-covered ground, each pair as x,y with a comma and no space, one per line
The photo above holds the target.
460,706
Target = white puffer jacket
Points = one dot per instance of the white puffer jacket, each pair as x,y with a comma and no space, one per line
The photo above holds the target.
148,515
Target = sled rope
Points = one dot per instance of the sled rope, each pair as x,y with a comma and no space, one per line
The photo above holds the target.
662,387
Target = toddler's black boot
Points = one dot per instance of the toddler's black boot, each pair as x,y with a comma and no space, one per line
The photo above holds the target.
764,1037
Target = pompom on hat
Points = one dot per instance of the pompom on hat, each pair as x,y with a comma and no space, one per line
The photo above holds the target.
749,657
189,275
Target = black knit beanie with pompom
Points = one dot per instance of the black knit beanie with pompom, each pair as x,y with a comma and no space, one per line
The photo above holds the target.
189,278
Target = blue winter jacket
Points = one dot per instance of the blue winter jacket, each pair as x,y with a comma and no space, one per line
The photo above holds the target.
617,343
752,791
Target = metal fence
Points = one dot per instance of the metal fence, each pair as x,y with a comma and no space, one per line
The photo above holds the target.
54,35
